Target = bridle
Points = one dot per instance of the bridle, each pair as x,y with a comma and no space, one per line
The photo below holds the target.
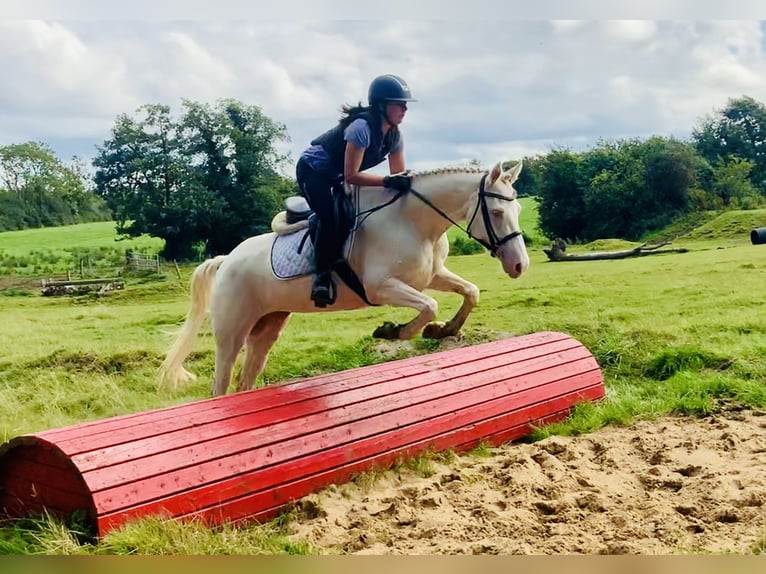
493,242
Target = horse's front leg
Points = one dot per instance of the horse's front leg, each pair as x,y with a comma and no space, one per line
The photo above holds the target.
396,292
446,280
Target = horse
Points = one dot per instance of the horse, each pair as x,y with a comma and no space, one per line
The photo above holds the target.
397,250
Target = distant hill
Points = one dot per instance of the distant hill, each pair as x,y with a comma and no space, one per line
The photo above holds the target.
730,225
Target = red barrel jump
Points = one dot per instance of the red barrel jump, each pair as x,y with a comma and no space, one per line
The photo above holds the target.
244,456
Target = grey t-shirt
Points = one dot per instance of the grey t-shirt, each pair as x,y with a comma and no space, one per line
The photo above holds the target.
357,132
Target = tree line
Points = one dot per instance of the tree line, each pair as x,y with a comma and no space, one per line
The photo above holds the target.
39,190
629,187
209,178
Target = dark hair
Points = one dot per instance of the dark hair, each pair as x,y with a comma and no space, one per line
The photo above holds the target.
349,113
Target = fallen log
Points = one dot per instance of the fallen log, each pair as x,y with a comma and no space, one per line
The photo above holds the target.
81,286
556,252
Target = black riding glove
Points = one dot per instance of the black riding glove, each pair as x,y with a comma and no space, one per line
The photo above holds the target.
398,182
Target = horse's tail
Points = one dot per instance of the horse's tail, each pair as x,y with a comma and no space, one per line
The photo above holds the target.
172,371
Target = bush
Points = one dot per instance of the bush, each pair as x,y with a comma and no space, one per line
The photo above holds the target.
465,246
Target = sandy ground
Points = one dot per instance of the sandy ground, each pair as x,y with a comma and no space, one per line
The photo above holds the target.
671,486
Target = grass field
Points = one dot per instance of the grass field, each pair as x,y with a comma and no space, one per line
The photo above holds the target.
54,250
674,333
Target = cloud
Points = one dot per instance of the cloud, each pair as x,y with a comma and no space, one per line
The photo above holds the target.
50,71
486,87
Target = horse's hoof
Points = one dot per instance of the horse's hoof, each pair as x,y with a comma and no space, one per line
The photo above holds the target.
434,331
387,330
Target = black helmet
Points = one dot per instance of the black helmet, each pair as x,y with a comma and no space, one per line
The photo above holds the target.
389,88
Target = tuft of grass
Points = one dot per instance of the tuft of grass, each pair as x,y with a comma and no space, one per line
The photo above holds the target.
759,546
150,536
684,358
422,464
368,479
482,450
91,363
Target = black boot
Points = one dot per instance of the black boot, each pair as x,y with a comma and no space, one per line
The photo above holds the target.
323,291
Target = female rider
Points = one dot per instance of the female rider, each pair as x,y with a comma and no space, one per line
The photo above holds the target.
363,138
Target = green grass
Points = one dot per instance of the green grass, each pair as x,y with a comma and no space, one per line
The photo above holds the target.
673,333
85,235
91,247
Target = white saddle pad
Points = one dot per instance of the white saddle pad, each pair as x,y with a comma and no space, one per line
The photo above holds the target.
286,261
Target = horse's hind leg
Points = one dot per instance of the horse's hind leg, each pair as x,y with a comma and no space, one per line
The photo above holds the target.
225,357
446,280
259,343
231,327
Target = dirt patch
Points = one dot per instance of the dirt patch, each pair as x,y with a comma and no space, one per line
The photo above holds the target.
671,486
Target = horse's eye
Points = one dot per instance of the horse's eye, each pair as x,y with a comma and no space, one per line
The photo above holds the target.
497,213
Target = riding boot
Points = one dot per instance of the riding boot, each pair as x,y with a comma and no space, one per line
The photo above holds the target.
323,291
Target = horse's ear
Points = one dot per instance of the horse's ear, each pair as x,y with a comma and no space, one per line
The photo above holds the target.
512,174
494,173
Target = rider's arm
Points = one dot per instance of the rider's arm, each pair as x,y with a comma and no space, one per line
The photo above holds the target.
396,160
351,163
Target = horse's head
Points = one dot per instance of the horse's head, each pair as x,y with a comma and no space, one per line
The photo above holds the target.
493,218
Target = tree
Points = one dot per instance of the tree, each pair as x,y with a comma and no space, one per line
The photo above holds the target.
738,130
637,186
732,184
140,174
618,189
233,152
561,207
40,190
529,179
209,178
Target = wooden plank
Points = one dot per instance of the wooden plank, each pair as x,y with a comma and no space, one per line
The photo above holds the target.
74,439
376,434
308,413
25,494
294,479
29,483
395,410
255,507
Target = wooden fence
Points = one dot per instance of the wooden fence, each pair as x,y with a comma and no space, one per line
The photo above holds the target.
141,262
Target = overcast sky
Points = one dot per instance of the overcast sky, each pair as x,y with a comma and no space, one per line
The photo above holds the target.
489,88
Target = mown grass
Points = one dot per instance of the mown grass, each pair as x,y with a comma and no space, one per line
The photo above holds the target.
679,333
91,248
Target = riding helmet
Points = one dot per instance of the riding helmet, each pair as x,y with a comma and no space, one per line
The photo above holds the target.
389,88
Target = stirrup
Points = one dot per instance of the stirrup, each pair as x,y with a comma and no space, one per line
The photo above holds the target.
323,291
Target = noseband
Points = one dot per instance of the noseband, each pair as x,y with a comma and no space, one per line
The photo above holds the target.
493,243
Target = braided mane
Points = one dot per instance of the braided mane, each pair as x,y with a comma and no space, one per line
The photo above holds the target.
442,170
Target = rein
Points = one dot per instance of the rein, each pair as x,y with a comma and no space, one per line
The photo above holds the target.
494,242
362,215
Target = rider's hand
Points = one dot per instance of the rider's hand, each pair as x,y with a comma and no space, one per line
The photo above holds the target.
398,182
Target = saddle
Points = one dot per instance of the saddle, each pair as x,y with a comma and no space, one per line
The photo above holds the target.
297,209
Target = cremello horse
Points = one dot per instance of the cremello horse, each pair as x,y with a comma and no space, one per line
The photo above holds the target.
397,252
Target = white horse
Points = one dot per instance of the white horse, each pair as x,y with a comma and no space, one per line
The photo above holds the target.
397,251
